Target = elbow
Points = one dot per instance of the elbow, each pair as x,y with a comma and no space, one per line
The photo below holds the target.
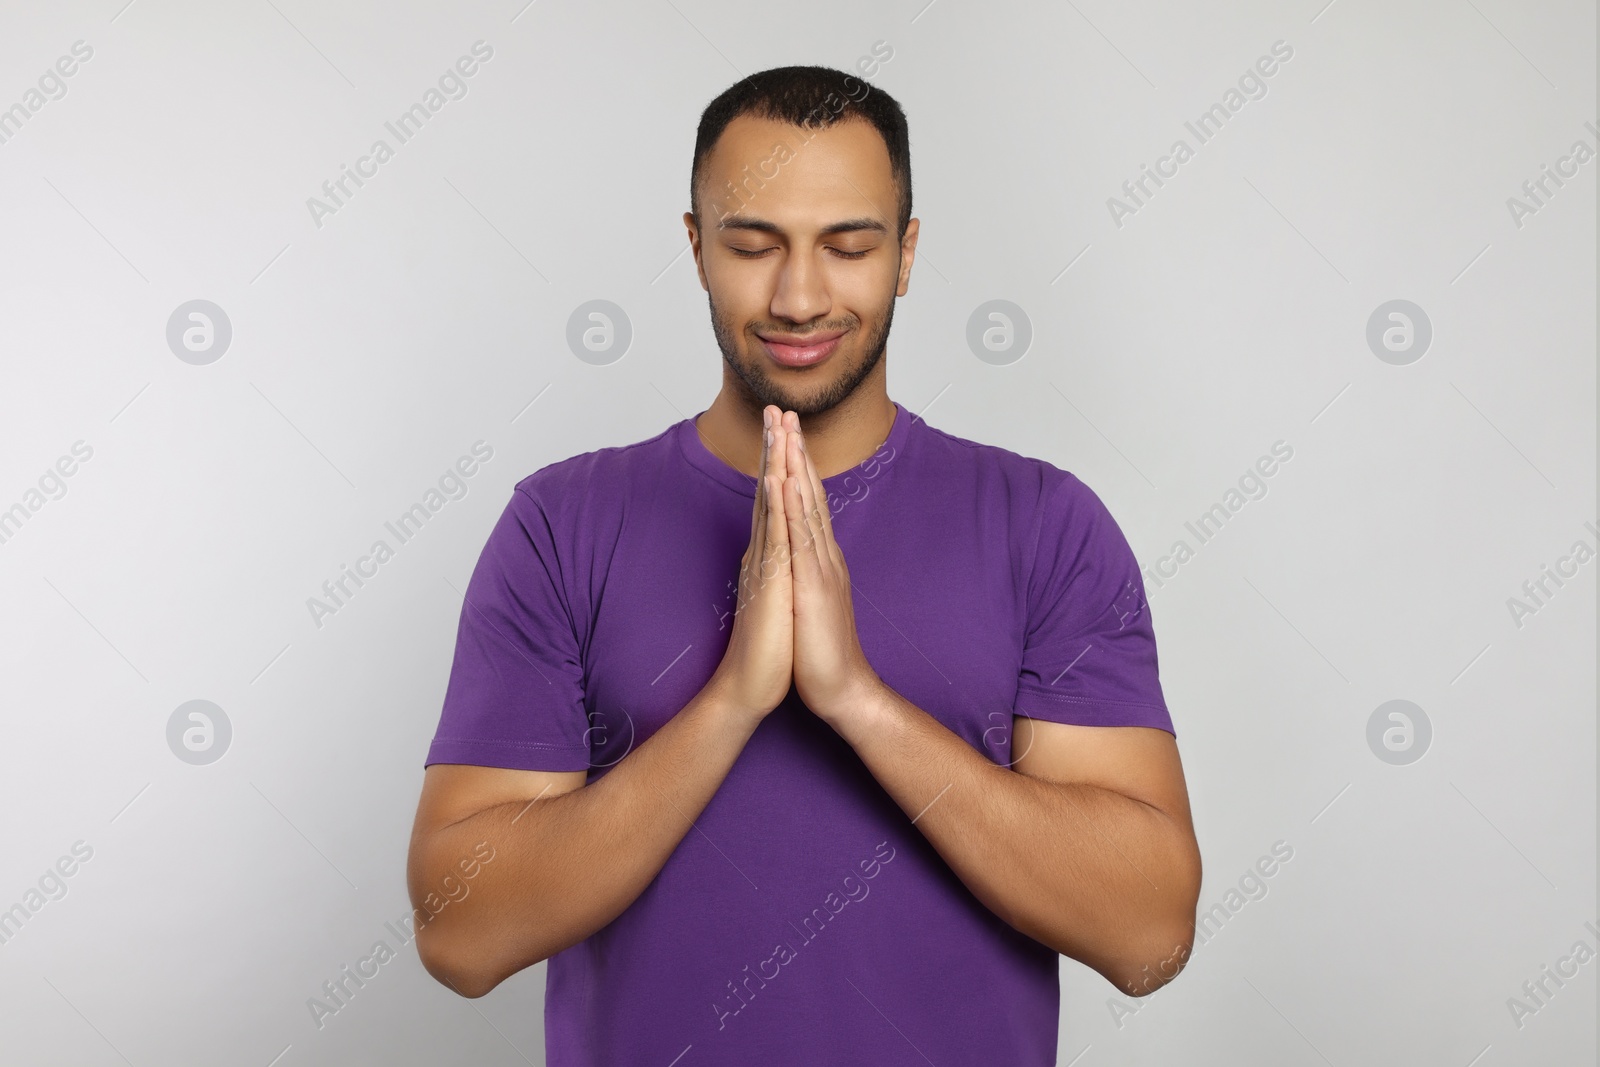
448,967
1141,964
1142,973
1164,945
465,966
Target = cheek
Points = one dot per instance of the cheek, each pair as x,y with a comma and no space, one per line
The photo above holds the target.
864,294
872,303
739,293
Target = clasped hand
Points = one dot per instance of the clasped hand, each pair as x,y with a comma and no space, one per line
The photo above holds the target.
794,622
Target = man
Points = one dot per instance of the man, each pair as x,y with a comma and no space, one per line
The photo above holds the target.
843,798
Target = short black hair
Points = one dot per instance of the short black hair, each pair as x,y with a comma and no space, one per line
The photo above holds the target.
812,98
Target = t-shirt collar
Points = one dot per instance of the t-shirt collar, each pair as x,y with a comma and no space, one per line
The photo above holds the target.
698,455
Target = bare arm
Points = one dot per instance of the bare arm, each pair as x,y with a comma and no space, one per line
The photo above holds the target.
567,857
1086,846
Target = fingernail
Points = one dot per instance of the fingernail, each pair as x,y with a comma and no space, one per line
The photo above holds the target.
767,436
766,418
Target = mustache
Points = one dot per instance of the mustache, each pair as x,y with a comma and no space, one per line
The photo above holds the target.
789,332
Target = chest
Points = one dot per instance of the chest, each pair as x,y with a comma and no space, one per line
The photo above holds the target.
935,591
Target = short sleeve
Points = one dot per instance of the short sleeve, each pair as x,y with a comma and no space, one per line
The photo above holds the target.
1089,650
515,695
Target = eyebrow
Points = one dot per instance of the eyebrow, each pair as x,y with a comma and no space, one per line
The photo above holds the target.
748,222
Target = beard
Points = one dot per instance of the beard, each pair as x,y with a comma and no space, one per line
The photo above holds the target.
760,388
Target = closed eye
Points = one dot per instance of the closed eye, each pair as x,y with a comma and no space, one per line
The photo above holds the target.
758,253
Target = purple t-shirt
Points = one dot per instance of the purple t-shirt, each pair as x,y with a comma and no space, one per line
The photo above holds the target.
804,919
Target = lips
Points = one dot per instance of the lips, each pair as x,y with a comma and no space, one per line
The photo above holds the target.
802,351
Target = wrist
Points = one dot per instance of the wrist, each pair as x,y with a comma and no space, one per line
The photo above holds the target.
863,703
723,703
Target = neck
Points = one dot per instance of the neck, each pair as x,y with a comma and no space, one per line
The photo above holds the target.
838,439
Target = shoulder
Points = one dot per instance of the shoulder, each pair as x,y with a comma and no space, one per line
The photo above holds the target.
597,475
1031,482
1051,512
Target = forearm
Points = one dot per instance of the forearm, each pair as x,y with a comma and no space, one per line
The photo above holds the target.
1094,874
566,865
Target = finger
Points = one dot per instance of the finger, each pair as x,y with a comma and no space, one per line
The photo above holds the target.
761,469
818,509
807,568
775,551
777,459
758,512
800,463
750,568
778,455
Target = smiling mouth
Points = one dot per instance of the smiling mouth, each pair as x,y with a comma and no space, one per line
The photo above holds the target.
790,351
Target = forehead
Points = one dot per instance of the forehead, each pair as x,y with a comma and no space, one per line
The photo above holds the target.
782,171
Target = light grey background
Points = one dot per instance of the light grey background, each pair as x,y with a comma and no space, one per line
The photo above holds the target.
1169,353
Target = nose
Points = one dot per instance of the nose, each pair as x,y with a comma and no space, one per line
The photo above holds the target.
802,292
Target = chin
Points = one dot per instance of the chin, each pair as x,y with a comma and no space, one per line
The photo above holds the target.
809,391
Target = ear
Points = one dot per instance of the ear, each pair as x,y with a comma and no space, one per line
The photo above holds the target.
694,246
908,253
